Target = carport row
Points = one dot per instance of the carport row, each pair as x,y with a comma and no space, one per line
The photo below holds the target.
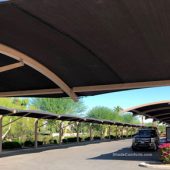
158,111
46,115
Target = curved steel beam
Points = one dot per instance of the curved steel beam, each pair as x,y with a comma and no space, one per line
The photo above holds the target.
145,105
158,109
136,112
15,54
157,118
122,86
164,119
31,92
11,66
163,114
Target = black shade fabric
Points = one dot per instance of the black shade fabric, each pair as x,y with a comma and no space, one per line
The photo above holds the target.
36,114
91,42
159,111
6,111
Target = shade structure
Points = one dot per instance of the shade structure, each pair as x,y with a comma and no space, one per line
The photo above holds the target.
109,122
4,111
35,114
159,111
93,120
83,48
51,116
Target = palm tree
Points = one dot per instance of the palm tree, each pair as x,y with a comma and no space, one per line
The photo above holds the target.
117,109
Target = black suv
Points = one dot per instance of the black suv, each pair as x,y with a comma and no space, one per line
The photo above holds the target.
146,138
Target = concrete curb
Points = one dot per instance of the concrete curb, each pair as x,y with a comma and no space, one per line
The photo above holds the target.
155,165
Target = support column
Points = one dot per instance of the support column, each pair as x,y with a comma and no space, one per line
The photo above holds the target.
91,135
36,133
136,129
60,132
116,132
109,132
78,126
131,132
122,132
1,117
101,132
142,120
127,131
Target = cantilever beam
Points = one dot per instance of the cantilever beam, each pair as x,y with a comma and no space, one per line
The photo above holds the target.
17,55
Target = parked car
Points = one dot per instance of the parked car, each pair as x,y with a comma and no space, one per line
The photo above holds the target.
146,138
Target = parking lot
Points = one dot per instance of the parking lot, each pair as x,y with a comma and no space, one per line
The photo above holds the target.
106,155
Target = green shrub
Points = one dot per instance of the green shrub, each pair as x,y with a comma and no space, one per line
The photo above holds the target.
71,140
65,140
112,137
40,143
96,138
87,139
106,137
28,143
53,141
11,145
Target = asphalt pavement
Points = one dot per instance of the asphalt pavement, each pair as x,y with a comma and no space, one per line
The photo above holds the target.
113,155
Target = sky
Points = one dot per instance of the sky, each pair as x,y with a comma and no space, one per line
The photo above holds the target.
128,98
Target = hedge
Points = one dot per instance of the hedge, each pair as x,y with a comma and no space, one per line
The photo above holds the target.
111,137
40,143
31,143
71,140
87,139
96,138
11,145
28,143
53,141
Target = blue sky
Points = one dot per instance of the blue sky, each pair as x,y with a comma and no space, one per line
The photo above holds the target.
128,98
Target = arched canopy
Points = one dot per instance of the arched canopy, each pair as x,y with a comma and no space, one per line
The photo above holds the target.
159,111
69,48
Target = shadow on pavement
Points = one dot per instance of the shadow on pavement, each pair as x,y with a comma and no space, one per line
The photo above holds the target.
129,155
